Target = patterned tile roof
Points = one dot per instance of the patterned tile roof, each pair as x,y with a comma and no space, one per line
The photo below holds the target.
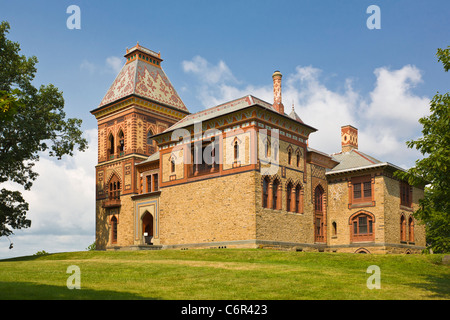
145,80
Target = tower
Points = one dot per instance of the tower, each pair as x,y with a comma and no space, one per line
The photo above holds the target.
140,103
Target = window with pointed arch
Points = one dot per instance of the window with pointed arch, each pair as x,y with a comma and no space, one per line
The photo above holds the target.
236,150
289,189
402,228
298,159
411,229
289,157
113,230
362,227
110,150
151,144
298,199
318,199
121,145
276,195
114,188
267,146
265,192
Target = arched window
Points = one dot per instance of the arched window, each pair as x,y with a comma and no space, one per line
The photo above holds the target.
113,229
289,196
289,157
411,229
265,193
267,148
151,144
334,228
172,165
402,228
111,144
236,151
298,199
298,158
276,196
318,199
121,141
114,188
361,227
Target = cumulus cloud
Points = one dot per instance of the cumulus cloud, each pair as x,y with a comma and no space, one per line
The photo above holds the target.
61,205
386,117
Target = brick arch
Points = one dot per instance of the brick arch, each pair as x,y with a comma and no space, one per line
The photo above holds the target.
362,250
357,213
114,172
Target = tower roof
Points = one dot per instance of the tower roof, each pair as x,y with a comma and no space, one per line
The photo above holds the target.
143,76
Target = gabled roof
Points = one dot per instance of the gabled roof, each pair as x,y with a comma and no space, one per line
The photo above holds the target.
144,79
226,108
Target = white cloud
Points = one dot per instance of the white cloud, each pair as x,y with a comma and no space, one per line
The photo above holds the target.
115,63
386,117
61,205
111,65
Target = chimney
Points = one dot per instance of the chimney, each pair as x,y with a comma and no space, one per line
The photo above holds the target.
277,104
349,138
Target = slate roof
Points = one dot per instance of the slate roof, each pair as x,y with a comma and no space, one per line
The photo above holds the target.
356,160
145,80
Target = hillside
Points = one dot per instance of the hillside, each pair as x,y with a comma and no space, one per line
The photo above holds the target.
224,274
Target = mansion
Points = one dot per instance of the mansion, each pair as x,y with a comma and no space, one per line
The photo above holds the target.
237,175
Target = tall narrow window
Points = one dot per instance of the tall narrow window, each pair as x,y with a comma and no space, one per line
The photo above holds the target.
275,188
290,157
298,199
236,151
288,196
113,229
318,199
111,144
121,141
298,159
265,192
411,229
402,228
149,183
405,194
155,182
172,165
151,144
267,148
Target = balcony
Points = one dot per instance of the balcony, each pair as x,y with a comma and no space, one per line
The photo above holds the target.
113,200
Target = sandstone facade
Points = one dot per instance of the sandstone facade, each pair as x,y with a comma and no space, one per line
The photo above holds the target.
240,174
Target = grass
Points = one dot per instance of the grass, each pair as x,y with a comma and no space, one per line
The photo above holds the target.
230,274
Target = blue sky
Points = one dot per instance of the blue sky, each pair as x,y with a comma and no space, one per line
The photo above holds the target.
335,70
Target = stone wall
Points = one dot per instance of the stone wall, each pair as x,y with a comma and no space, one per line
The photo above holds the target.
209,210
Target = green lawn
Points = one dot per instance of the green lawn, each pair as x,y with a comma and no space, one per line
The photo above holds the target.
224,274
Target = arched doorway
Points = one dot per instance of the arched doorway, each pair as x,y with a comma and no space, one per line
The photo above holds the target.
147,227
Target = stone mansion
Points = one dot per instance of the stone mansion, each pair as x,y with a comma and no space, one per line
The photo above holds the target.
237,175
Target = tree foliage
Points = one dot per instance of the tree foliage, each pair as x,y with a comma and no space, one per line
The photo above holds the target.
32,121
434,168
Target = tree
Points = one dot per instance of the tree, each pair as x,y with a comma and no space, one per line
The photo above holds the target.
434,168
32,121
